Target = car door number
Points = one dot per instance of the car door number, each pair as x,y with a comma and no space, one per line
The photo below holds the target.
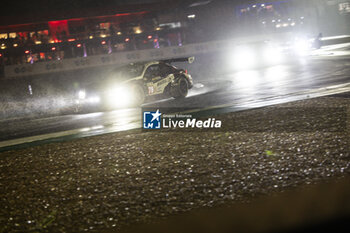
150,90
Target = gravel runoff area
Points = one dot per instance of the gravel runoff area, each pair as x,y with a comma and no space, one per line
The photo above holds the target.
117,180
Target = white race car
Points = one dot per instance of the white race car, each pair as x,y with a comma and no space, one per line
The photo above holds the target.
132,84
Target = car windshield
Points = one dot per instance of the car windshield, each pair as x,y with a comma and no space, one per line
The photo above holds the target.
129,71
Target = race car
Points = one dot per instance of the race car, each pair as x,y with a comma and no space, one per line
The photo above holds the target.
133,84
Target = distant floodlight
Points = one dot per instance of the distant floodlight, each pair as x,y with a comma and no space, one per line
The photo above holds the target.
191,16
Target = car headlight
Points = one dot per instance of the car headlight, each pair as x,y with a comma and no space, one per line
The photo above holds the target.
93,100
272,55
119,96
81,94
301,46
244,57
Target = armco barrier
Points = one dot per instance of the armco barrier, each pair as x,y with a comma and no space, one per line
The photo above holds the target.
121,58
13,71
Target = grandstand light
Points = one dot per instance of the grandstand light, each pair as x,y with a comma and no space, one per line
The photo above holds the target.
158,29
103,35
149,37
27,51
15,45
191,16
78,45
53,48
71,39
91,37
103,42
119,33
127,39
38,42
138,31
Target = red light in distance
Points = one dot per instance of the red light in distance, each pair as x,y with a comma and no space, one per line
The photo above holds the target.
103,42
149,37
26,52
78,45
53,48
127,40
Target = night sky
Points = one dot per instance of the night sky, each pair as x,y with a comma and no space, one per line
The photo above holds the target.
18,7
35,11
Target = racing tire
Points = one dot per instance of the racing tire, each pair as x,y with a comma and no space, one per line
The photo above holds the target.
181,89
138,95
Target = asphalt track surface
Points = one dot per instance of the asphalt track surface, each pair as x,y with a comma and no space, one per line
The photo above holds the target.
324,74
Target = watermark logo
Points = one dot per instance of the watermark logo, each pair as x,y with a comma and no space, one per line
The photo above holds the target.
152,120
164,119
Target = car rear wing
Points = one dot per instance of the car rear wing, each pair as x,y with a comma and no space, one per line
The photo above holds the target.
182,59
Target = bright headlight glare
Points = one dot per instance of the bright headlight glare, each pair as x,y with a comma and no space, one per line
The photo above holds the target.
301,46
119,96
244,57
94,100
272,55
81,94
